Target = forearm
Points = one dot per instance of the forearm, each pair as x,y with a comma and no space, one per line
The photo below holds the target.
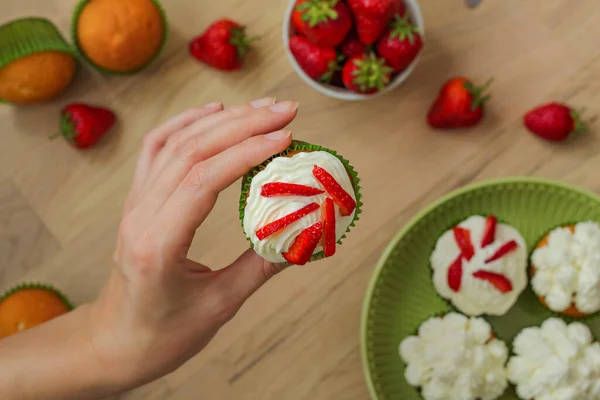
55,360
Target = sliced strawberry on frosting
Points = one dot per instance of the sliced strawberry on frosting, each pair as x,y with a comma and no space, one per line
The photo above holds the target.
281,223
503,250
463,240
304,245
499,281
329,236
273,189
344,201
489,231
455,273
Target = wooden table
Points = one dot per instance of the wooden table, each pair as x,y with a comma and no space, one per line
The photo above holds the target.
298,338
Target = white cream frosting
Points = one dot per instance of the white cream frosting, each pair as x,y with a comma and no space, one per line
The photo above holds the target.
455,358
297,169
477,296
556,362
568,269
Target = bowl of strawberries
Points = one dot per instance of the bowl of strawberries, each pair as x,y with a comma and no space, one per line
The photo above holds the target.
353,49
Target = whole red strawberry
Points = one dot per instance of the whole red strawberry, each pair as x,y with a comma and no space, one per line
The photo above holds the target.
400,44
223,45
318,62
554,121
83,125
324,22
372,18
366,73
459,104
351,46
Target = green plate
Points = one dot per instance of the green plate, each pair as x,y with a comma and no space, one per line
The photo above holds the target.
401,294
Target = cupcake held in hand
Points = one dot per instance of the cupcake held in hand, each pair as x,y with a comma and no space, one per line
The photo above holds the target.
480,266
36,64
297,206
119,36
565,270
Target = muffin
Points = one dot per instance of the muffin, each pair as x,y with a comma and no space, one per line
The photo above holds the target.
565,270
29,305
455,357
119,36
480,266
556,361
36,64
297,205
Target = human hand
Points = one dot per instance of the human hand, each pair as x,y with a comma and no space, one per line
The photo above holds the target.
160,308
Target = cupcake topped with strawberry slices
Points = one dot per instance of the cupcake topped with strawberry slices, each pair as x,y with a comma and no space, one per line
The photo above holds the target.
480,266
298,206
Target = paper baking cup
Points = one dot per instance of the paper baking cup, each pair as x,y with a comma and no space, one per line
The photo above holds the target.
298,146
401,294
77,12
37,285
26,36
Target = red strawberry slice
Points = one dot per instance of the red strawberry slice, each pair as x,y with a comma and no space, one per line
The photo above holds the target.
463,240
489,232
329,236
344,201
503,250
304,245
273,189
455,273
499,281
281,223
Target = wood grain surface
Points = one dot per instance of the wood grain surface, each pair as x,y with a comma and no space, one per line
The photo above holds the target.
298,338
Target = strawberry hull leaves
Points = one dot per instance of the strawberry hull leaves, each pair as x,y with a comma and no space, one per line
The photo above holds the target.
366,74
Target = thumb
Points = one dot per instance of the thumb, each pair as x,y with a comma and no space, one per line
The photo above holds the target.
246,275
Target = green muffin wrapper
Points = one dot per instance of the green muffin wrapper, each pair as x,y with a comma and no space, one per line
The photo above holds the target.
297,145
77,12
37,285
26,36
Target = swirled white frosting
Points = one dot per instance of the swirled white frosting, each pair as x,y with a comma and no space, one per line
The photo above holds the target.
556,361
455,358
477,296
568,269
297,169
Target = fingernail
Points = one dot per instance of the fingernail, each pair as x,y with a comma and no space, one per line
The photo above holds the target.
262,102
279,135
213,105
284,106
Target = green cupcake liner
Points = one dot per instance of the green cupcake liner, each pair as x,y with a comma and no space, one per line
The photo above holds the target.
26,36
297,145
37,285
79,8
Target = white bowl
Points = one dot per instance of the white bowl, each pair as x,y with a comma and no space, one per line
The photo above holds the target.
341,93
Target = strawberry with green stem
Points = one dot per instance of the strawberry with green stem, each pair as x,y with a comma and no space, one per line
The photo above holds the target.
324,22
400,44
223,45
554,122
366,73
320,63
83,125
459,104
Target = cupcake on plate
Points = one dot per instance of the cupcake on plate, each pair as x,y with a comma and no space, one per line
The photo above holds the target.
119,36
29,305
556,361
297,206
36,64
480,266
455,357
565,270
